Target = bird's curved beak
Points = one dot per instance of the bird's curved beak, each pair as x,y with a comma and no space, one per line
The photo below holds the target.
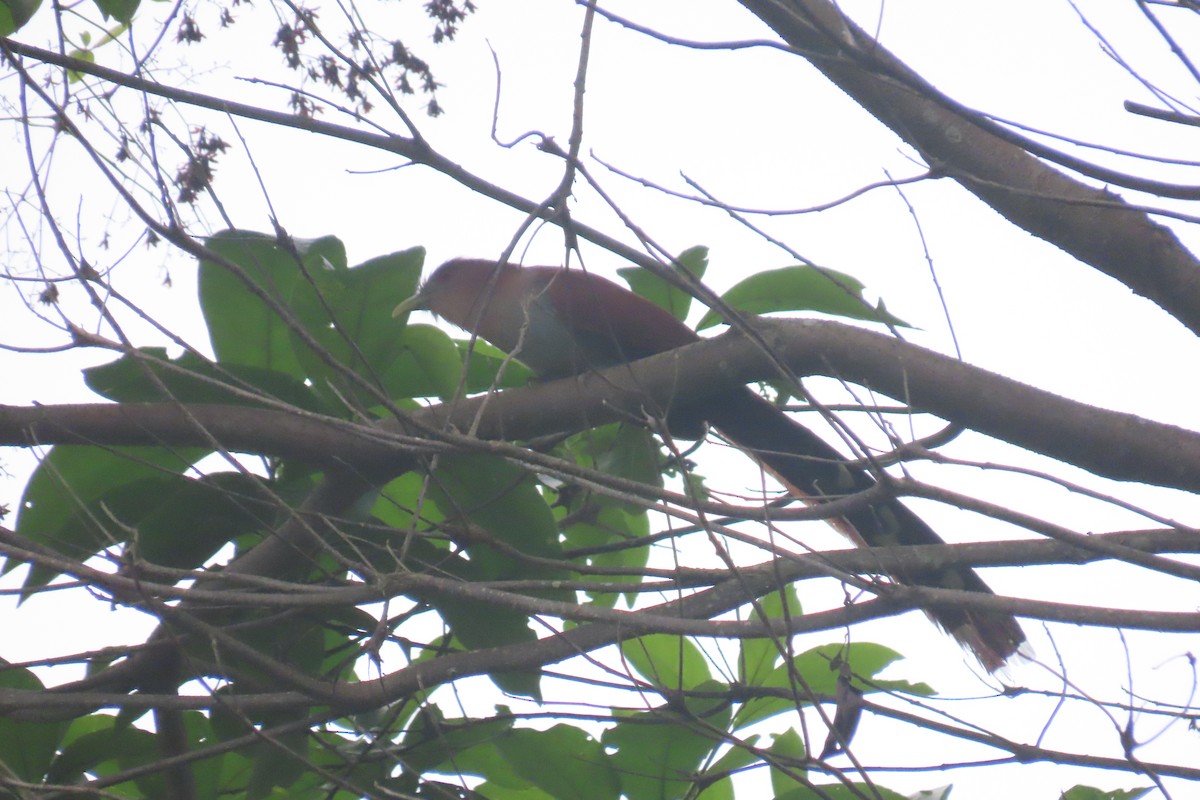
414,303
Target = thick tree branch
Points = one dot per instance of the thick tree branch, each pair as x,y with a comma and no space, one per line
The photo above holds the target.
1108,443
221,589
1092,224
688,616
1112,444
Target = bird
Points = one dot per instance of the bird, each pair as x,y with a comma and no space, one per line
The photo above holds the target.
561,322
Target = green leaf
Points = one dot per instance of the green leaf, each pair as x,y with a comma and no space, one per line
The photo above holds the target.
940,793
474,625
83,55
428,364
503,499
787,749
671,662
840,791
120,10
15,13
242,325
433,743
81,500
491,368
734,761
657,752
480,626
400,500
609,522
282,761
194,379
802,289
138,749
88,742
627,451
189,523
27,749
101,746
1091,793
97,745
813,667
492,791
563,761
349,313
354,757
664,295
340,318
758,656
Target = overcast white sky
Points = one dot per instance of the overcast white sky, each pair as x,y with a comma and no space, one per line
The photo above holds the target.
758,128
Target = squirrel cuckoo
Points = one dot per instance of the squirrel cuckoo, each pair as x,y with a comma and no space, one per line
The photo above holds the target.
564,322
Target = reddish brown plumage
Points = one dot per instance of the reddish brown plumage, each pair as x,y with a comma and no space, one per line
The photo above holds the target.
562,322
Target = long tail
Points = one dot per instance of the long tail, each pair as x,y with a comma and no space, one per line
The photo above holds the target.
812,469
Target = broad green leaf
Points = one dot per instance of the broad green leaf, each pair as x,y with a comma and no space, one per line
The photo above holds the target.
802,289
403,498
732,762
866,660
492,791
480,626
338,319
839,791
664,295
102,745
87,742
672,662
581,769
208,773
758,656
811,675
352,756
280,762
349,314
787,762
490,368
27,749
627,451
15,13
120,10
139,748
87,55
940,793
1092,793
193,519
657,752
487,761
193,379
427,364
610,523
243,325
433,743
96,745
80,499
474,625
502,498
720,789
